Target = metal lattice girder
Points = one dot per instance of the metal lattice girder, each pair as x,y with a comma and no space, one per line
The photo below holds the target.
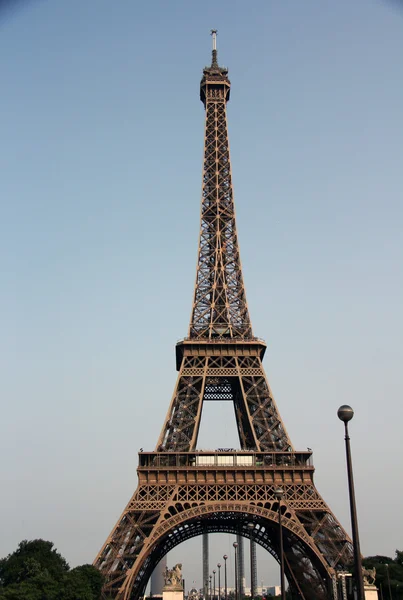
239,379
219,306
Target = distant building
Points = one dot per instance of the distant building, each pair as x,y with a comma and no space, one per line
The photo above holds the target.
194,594
273,590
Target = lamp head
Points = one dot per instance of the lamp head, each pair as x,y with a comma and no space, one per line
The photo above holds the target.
345,413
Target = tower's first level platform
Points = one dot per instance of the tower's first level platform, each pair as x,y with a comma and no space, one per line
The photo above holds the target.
225,466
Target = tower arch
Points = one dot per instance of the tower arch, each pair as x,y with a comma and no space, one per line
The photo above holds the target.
189,522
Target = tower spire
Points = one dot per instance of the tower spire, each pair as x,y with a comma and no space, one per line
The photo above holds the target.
219,308
214,63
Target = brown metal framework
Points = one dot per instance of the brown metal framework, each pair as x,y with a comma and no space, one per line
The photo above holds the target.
183,492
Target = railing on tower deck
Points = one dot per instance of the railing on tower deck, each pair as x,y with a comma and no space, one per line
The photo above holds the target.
220,340
224,459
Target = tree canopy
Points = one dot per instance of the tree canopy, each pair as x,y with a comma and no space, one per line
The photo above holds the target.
388,570
36,571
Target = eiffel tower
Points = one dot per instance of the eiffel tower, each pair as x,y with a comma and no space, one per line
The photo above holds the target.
183,492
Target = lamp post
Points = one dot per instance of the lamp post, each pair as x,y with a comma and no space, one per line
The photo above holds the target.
390,590
235,544
213,585
345,414
279,494
219,580
225,576
211,591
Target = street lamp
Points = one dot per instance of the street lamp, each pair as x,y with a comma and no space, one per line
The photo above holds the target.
345,414
213,585
235,544
251,526
211,591
219,580
278,492
225,575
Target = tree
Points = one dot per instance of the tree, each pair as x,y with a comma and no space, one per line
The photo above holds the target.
88,578
387,570
75,587
36,571
30,559
39,587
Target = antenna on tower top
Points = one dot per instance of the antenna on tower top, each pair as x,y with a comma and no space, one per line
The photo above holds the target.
214,62
213,33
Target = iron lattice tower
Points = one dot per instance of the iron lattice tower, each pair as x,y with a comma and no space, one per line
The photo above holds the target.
183,492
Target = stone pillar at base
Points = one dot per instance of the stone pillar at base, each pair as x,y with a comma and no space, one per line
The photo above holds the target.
370,591
177,595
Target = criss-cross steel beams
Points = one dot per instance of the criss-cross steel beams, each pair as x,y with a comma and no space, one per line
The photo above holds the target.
181,495
219,306
236,374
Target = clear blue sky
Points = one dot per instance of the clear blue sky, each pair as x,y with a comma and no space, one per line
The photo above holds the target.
101,157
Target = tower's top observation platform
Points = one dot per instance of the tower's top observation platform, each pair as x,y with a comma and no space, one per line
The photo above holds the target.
214,75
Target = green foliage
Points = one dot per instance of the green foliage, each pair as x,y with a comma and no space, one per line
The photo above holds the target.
75,587
39,587
36,571
30,559
378,559
388,570
89,578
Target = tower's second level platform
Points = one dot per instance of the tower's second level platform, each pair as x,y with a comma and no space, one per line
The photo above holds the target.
219,346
